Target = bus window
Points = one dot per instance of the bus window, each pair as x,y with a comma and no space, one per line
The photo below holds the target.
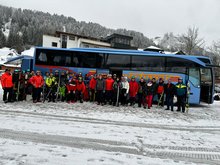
57,60
100,61
206,76
148,63
75,61
178,65
194,76
206,85
67,60
42,58
121,61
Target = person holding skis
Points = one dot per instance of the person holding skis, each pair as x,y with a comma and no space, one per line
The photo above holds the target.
181,92
51,85
63,82
160,92
124,91
117,86
15,80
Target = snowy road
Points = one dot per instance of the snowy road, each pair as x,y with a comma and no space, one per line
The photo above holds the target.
60,133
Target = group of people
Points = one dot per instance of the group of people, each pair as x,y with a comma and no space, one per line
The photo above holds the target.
103,89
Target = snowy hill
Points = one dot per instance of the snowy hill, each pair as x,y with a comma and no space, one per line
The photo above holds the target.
29,52
6,54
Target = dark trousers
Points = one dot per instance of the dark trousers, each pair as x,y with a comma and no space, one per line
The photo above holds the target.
71,96
79,96
100,96
123,97
52,94
132,100
169,101
181,102
108,96
7,95
92,95
36,94
140,99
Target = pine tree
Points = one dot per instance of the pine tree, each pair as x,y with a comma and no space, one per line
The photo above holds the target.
2,39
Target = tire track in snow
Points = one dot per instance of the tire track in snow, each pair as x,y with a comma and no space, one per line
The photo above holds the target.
196,155
208,129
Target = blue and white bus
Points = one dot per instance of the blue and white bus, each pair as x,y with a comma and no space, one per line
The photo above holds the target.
197,70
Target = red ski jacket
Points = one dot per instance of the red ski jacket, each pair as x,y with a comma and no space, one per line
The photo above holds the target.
109,84
71,86
6,80
37,81
92,83
133,88
81,87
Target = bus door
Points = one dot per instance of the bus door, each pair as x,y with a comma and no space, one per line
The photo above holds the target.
27,64
116,71
206,85
194,82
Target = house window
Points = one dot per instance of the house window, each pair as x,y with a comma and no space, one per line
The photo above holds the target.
72,38
54,44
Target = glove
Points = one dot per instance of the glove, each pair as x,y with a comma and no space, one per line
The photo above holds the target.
125,94
104,91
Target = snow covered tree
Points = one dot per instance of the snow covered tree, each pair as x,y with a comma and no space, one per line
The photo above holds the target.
2,39
214,50
190,41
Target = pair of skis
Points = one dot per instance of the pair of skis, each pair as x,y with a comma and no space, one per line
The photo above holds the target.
187,96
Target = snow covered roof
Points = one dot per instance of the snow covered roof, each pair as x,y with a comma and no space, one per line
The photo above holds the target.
153,48
6,54
29,52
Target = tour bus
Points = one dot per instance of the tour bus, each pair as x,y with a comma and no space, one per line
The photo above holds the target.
195,70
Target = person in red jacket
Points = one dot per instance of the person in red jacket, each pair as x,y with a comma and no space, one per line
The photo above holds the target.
109,89
133,90
7,86
71,90
37,82
80,89
92,85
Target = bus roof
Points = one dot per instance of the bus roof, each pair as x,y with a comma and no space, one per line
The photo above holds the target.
132,52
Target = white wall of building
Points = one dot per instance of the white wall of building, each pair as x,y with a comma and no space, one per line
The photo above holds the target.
72,43
78,42
47,41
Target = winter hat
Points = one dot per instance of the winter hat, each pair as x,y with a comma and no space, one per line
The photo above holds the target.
132,77
56,71
109,75
160,79
180,78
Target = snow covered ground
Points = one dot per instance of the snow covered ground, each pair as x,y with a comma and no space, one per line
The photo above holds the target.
60,133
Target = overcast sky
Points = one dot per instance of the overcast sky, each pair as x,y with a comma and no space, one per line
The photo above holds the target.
151,17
